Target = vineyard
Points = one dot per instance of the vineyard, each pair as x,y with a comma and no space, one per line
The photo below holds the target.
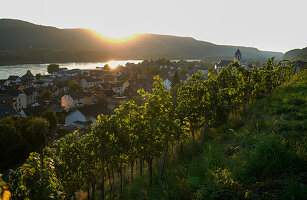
136,140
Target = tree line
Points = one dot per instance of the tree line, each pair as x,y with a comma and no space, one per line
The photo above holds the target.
142,133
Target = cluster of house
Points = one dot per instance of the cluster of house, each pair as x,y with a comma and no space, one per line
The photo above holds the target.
101,92
21,96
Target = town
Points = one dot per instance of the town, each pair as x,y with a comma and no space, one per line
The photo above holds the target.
78,96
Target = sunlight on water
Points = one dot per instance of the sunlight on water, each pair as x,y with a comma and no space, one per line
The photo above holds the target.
19,70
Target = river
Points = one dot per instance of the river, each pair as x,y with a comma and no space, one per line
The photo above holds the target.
19,70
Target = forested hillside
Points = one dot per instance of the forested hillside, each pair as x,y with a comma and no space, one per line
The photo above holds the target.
20,40
296,54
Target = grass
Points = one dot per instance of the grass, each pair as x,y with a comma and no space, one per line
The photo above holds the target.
260,153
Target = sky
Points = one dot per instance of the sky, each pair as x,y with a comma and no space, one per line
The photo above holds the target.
274,25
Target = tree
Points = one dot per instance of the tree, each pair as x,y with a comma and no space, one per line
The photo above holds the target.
39,127
102,134
50,116
106,67
46,95
158,123
74,86
124,138
191,102
38,76
16,140
174,91
175,80
26,183
69,154
53,68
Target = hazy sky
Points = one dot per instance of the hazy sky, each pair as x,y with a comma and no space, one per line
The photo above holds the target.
278,25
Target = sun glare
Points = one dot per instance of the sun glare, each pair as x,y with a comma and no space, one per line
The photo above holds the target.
114,40
112,63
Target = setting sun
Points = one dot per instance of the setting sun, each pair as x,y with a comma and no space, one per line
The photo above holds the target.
115,40
113,64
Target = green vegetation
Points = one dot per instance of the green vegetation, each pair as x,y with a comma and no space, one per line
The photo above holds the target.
19,136
74,86
53,68
136,136
296,54
38,76
46,95
258,153
51,117
176,79
30,184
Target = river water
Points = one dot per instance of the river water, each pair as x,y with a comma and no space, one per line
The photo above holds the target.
19,70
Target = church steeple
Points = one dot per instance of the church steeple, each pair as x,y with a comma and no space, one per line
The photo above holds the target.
238,56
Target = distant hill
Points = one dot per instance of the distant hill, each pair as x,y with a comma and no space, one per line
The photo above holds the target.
23,37
296,54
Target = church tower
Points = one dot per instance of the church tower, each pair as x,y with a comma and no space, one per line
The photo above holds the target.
238,56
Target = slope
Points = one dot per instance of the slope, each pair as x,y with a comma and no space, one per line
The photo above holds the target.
259,153
296,54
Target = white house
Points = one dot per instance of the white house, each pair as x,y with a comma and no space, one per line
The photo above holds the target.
71,100
32,94
91,82
85,116
20,101
74,117
167,83
17,98
119,88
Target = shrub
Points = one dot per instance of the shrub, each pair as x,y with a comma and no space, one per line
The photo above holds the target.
223,186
